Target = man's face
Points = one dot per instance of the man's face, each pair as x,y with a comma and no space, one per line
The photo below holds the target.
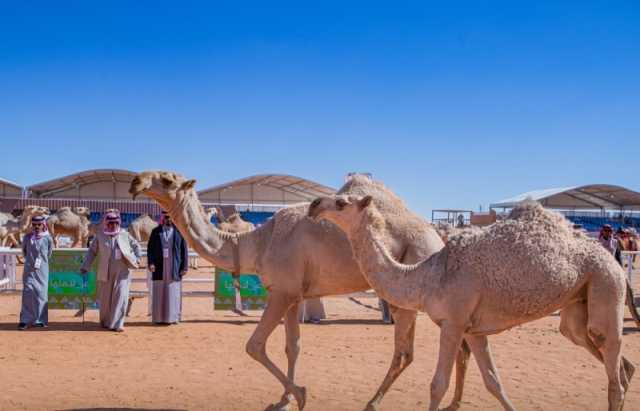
112,225
37,227
167,220
606,233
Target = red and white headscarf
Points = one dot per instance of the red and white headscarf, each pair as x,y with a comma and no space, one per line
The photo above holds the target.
111,218
45,229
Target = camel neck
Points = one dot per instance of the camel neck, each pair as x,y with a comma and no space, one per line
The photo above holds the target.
210,243
399,284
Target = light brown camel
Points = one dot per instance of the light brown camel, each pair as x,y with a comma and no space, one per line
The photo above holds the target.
232,224
12,230
73,223
296,258
141,228
482,283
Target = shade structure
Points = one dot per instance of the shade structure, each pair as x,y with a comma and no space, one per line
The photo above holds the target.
586,197
265,189
100,184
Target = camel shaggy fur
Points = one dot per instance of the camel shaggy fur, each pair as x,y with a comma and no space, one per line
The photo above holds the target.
481,283
296,258
73,223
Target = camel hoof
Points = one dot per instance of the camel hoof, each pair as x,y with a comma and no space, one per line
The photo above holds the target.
452,407
279,407
300,394
370,407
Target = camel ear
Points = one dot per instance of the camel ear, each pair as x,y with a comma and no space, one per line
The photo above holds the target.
188,184
364,202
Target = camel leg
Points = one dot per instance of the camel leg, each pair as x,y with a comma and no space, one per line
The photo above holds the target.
292,332
462,363
631,305
277,305
404,334
450,340
604,328
573,325
479,345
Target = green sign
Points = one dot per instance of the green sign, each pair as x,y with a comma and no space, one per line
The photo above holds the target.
68,289
253,295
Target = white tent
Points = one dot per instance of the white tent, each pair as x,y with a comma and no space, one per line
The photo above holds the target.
266,189
587,197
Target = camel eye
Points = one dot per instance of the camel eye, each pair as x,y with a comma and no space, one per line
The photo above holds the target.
166,181
340,203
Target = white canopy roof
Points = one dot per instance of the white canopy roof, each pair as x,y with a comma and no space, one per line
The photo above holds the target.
593,196
9,188
111,184
265,189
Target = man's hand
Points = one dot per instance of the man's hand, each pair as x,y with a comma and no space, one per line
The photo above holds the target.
83,271
152,268
182,274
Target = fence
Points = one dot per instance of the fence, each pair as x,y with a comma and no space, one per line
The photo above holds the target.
8,270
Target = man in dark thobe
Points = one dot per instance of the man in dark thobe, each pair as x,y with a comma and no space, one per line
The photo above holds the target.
168,260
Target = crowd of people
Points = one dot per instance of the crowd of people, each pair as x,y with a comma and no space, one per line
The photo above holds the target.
624,239
116,253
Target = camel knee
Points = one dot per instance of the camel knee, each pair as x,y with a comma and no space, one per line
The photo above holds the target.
255,349
597,337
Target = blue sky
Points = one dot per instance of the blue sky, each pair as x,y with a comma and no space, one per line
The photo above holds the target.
451,105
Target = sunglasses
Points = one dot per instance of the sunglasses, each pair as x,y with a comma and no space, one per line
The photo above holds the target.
113,223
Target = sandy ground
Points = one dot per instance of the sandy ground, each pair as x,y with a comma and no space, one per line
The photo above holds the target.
201,363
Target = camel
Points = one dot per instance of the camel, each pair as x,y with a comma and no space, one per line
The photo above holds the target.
74,223
232,224
515,271
141,227
12,229
296,258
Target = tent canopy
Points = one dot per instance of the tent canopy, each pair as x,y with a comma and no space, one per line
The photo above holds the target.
107,184
9,188
265,189
587,197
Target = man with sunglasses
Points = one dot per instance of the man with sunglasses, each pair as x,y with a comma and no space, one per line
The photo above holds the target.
37,247
117,254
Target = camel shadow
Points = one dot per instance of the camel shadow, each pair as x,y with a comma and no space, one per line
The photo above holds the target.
56,326
124,409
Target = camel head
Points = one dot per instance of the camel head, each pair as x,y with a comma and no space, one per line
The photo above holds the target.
344,211
33,210
82,211
164,187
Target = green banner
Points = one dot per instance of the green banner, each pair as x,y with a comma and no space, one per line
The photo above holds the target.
252,293
68,289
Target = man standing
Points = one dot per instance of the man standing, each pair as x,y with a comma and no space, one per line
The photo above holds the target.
37,247
609,242
117,253
168,259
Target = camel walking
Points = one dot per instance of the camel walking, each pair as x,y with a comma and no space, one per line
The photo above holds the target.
485,282
296,258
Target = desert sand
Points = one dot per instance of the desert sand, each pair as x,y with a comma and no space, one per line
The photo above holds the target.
201,364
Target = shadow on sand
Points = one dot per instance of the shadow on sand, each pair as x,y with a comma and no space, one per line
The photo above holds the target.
123,409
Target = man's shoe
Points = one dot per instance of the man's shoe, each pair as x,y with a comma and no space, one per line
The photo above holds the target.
41,325
22,326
